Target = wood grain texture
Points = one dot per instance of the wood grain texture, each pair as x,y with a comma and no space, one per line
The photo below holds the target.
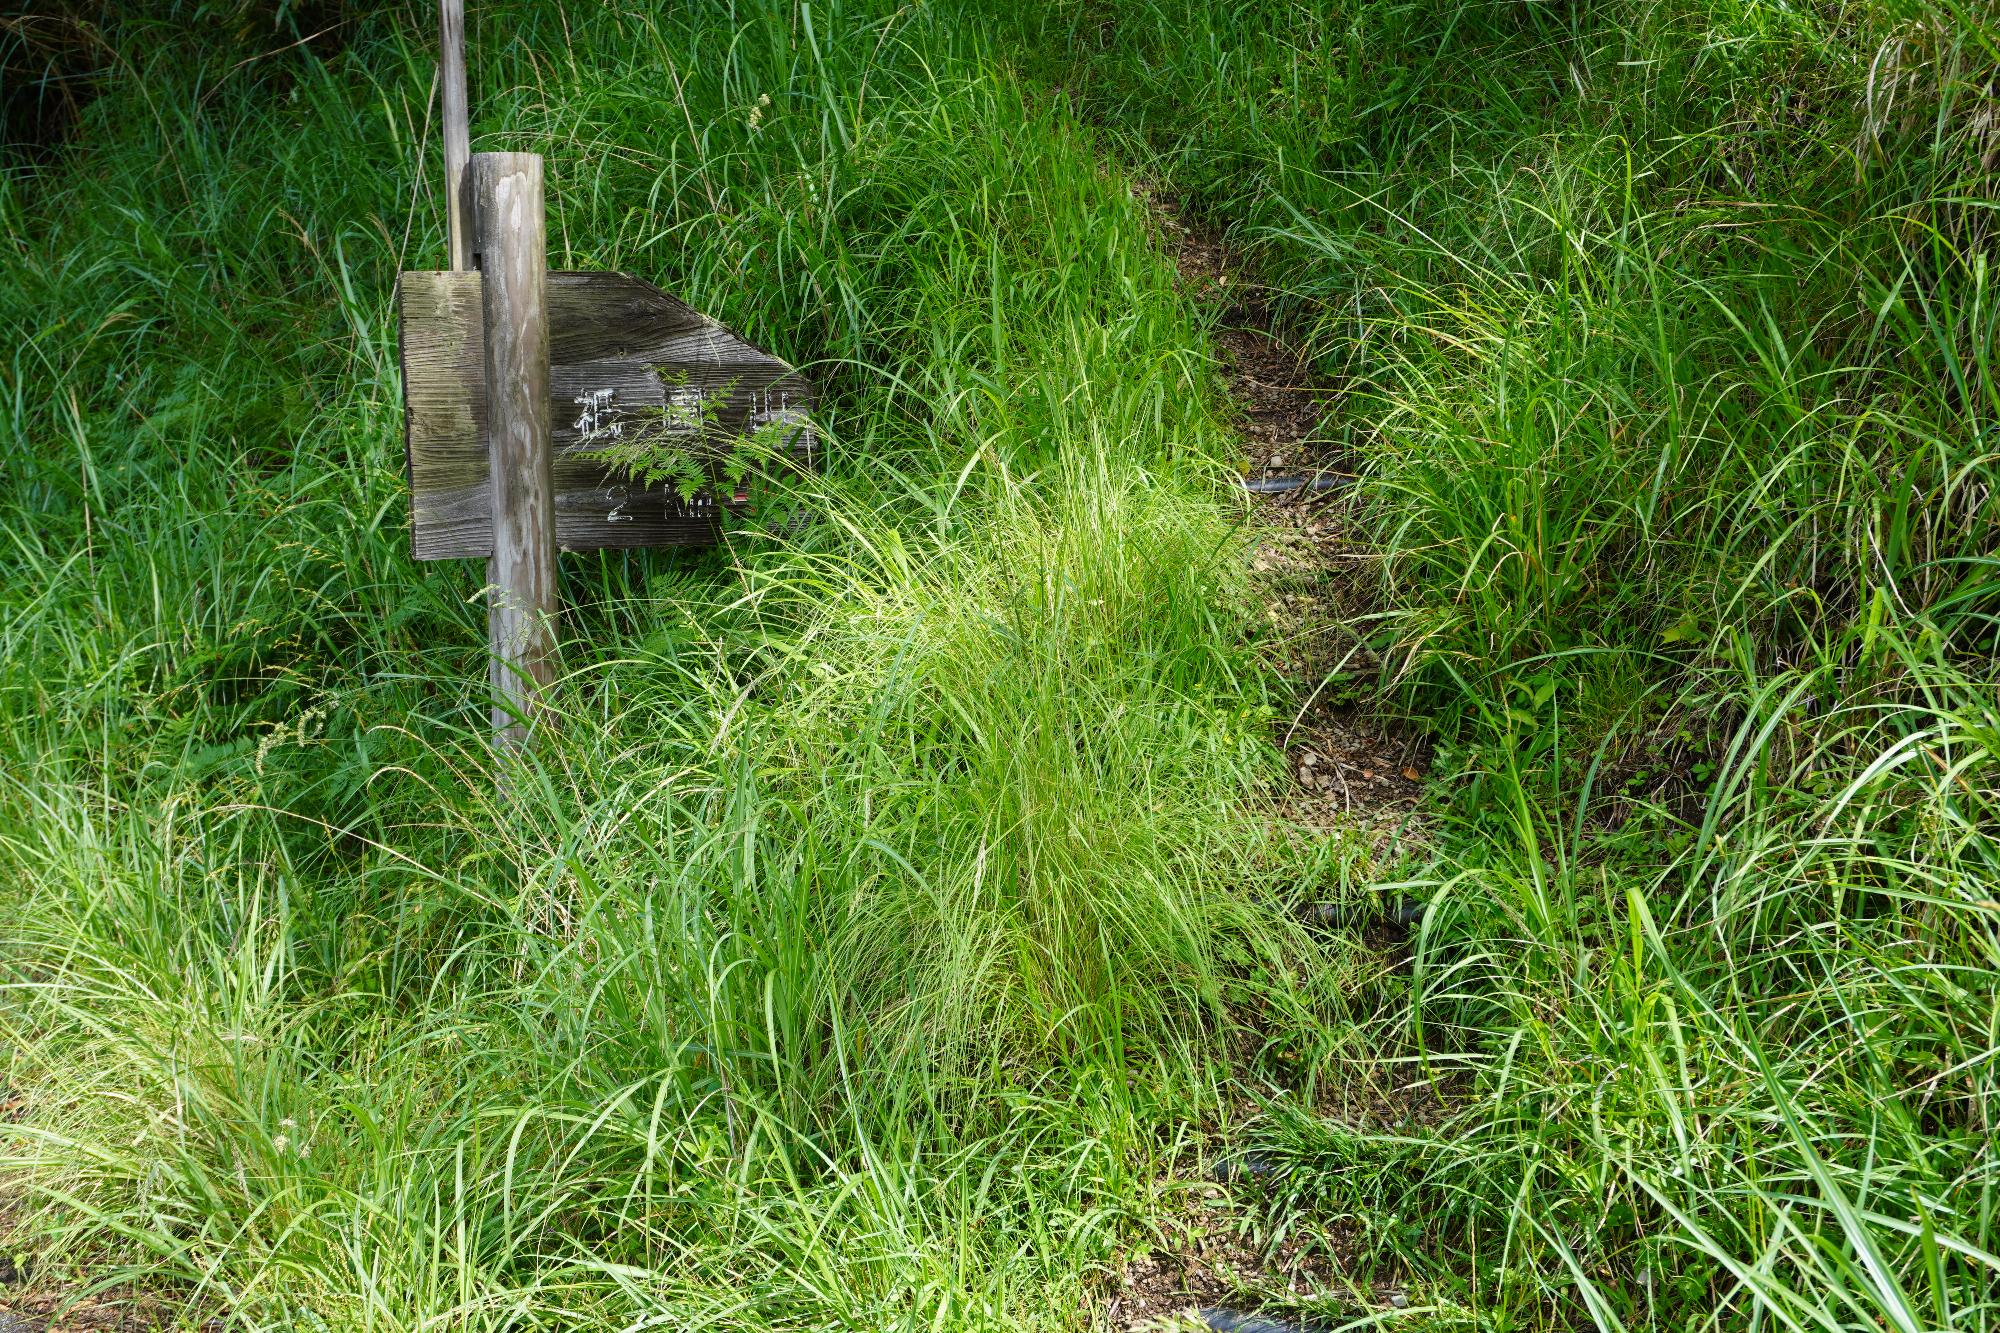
627,362
444,415
512,249
457,133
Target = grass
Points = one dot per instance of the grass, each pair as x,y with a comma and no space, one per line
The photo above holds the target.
893,919
1664,334
839,961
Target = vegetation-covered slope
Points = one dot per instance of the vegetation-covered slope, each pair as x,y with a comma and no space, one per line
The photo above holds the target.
1666,333
894,905
803,980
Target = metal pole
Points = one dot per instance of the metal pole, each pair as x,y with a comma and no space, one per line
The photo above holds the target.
511,242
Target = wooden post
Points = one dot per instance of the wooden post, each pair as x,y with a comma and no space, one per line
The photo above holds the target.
511,244
457,133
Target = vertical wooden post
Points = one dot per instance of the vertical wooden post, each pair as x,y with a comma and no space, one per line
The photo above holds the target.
457,131
511,243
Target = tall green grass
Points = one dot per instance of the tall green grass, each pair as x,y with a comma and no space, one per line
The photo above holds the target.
862,941
1665,336
890,905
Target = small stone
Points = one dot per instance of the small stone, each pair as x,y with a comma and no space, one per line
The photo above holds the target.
1398,1301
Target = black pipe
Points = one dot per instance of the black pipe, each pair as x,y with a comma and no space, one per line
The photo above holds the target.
1230,1321
1319,481
1243,1166
1359,916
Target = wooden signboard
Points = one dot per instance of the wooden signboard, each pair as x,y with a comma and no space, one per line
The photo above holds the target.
628,365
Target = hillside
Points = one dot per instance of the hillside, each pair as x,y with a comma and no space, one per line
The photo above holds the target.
1545,879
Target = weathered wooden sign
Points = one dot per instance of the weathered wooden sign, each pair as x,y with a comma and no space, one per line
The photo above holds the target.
629,366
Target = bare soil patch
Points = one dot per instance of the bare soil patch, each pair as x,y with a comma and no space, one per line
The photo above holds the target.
1202,1260
33,1310
1356,773
1355,768
63,1302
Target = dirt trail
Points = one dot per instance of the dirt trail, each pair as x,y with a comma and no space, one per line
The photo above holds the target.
1352,772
